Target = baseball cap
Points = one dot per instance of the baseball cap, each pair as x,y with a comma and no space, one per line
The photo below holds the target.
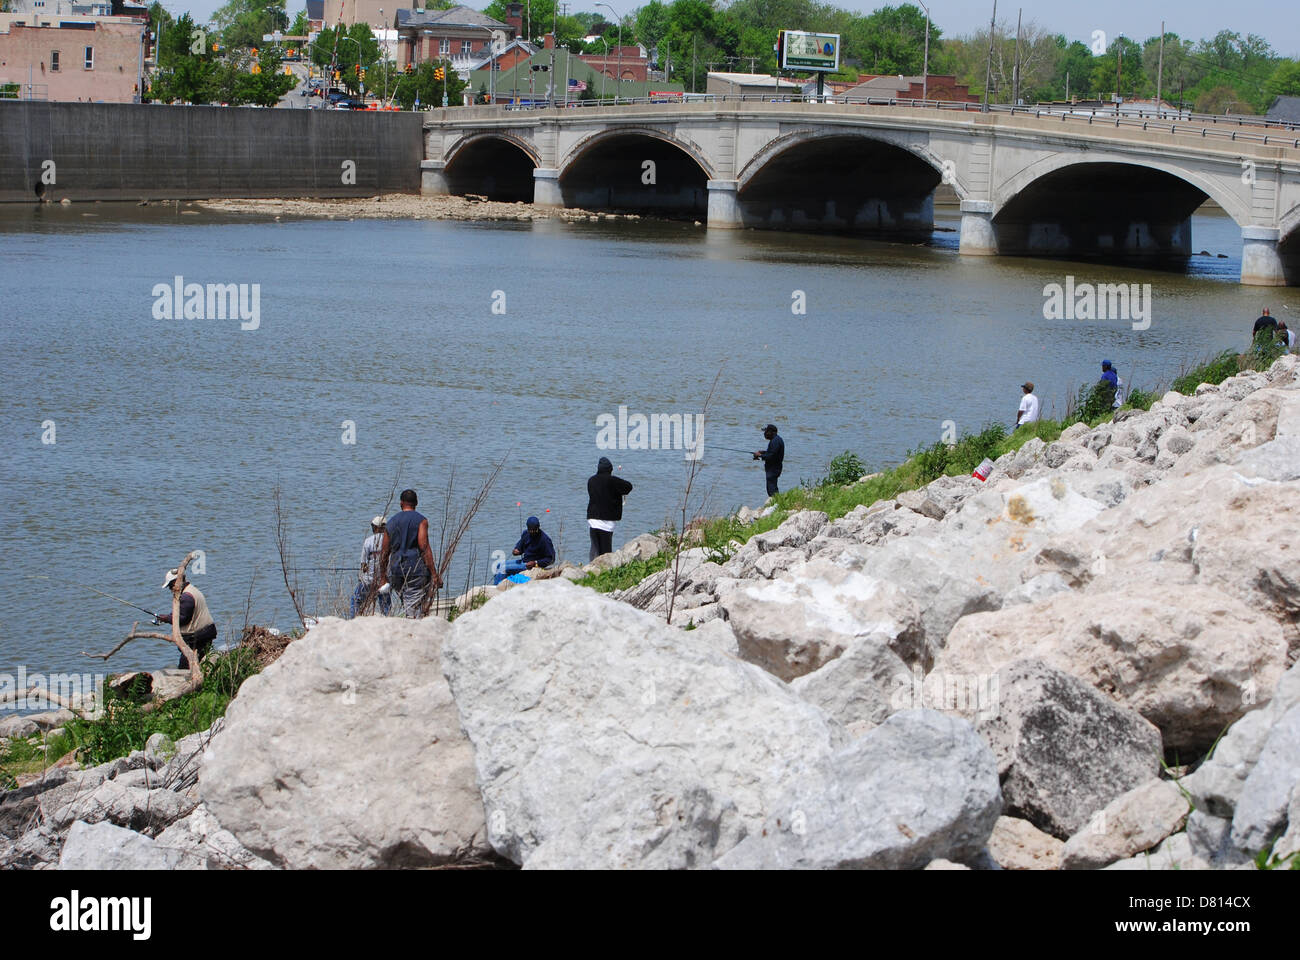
168,577
1027,385
378,522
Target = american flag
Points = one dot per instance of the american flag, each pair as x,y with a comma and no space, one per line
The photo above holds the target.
575,84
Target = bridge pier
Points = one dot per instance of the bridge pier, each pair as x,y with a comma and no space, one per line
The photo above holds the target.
978,236
724,205
546,187
1261,260
433,178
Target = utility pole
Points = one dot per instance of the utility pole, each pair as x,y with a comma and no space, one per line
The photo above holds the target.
1160,70
1119,69
1015,81
1067,86
694,65
988,65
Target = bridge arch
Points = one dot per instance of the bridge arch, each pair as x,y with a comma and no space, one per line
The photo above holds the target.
1106,205
844,180
636,168
497,165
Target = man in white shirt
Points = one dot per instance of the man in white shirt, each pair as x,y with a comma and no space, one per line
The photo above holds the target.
1028,406
370,551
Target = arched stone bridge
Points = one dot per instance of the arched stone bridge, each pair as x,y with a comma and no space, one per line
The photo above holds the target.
1028,185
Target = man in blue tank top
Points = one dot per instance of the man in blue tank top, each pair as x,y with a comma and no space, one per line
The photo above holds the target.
407,562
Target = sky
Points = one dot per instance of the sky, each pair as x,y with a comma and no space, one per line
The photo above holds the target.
1278,21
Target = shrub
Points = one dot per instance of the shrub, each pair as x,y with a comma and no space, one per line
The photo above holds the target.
846,468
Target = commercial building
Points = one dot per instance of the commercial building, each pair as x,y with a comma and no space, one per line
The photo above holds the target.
96,59
461,37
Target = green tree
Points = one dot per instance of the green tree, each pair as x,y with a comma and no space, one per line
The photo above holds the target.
891,40
1285,81
186,64
268,84
421,82
1119,70
242,23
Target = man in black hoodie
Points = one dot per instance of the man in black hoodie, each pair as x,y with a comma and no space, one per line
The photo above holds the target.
605,493
773,457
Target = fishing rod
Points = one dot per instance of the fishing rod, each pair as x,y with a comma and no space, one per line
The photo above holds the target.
100,592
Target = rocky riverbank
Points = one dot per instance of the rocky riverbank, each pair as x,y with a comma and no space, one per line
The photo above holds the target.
402,206
1087,662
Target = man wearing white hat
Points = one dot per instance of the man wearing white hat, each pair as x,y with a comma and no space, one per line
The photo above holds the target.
370,551
197,629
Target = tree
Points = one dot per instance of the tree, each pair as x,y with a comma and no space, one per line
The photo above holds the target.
242,23
1285,81
344,50
421,82
891,41
266,85
186,64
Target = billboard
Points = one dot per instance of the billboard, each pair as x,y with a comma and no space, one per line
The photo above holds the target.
809,51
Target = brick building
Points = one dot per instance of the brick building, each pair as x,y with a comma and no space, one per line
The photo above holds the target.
99,60
935,87
460,36
631,60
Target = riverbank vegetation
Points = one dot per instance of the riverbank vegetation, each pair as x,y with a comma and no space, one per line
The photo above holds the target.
847,486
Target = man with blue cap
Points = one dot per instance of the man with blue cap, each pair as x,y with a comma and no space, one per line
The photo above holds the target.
534,549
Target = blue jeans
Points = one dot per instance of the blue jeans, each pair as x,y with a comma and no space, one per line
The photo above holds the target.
510,569
359,596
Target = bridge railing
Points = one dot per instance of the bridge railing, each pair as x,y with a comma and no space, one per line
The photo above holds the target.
1233,128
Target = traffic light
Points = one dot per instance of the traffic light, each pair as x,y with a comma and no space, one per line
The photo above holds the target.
357,69
439,73
336,75
256,68
255,53
362,74
410,68
288,71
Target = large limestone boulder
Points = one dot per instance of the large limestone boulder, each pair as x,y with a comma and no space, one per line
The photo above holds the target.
347,752
605,738
810,615
1188,658
1064,751
1128,825
920,787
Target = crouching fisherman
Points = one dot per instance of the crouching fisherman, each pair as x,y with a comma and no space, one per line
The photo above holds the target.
197,629
534,549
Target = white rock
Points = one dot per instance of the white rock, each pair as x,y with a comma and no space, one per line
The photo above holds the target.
1128,825
604,738
104,846
809,615
347,751
860,688
919,787
1019,845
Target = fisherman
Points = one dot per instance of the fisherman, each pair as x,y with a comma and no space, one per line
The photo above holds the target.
773,457
534,549
605,493
1264,322
1108,386
1029,405
1285,337
371,549
406,563
197,628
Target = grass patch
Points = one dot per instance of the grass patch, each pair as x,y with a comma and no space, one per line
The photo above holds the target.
125,727
628,575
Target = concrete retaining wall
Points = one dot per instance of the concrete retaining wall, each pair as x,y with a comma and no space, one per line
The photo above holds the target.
110,151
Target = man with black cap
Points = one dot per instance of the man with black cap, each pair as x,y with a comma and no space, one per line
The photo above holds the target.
605,493
371,550
773,457
1029,405
534,549
197,628
407,560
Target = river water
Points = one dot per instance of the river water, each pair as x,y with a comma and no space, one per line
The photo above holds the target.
171,435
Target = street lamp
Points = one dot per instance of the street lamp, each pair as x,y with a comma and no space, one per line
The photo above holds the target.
619,79
925,69
603,72
492,62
